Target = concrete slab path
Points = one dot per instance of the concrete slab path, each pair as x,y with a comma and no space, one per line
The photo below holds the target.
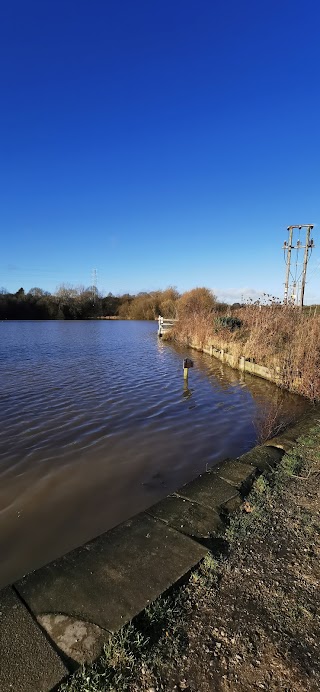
111,579
208,490
235,472
27,661
190,518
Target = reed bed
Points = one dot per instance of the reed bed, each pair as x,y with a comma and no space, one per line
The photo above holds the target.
274,335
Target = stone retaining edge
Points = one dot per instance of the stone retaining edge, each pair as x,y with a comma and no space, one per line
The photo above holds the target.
238,473
240,363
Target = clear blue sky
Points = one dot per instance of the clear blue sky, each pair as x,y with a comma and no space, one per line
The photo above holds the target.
158,142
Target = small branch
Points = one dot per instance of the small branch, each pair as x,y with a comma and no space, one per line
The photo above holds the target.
305,478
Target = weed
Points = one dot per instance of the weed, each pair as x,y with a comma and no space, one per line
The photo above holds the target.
291,464
114,669
261,485
209,564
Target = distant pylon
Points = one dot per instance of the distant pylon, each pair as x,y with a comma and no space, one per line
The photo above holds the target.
94,285
295,283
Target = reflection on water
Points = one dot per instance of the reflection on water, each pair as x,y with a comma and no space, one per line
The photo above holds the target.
98,423
187,393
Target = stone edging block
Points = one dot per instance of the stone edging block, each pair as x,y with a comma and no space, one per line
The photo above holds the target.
28,662
188,517
111,579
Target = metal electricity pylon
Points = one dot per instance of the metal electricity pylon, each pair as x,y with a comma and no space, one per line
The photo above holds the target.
94,285
295,281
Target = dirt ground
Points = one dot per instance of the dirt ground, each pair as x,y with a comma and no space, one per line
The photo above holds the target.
249,617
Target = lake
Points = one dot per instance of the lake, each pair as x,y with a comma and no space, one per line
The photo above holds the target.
97,424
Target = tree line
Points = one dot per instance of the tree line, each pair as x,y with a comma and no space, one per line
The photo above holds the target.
80,303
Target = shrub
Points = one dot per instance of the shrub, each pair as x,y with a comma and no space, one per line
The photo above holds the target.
230,323
195,302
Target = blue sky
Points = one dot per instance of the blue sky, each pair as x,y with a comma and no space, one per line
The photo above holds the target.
162,143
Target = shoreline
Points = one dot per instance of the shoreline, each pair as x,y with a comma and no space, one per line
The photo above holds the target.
241,363
232,623
93,596
247,365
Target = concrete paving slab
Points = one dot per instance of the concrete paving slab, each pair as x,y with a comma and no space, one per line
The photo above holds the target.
80,641
232,505
111,579
262,457
27,661
238,474
208,490
188,517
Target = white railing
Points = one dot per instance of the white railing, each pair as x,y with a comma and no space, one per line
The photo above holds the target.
165,323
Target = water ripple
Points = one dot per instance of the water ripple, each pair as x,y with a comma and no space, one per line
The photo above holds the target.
97,424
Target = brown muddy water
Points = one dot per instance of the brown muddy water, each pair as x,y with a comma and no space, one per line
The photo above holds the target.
98,424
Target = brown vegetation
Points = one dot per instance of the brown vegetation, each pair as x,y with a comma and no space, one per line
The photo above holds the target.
270,420
274,335
148,306
77,302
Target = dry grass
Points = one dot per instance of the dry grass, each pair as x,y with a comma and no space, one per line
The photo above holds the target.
272,335
270,420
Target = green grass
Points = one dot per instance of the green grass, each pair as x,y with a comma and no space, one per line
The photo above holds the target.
115,668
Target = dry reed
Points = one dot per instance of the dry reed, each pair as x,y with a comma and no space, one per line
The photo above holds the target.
277,336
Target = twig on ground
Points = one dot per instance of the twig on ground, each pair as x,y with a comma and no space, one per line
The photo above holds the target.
305,478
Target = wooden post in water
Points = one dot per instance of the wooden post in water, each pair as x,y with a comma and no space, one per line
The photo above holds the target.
187,363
